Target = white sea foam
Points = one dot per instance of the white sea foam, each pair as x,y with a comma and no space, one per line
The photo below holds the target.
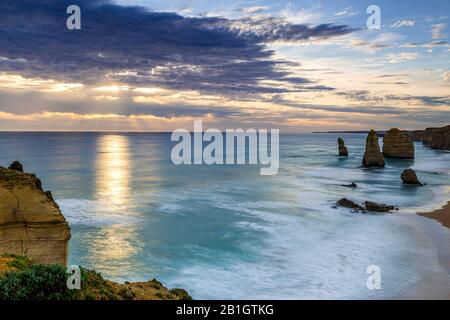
95,212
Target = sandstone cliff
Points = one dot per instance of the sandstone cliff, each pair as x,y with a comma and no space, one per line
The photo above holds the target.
31,223
435,138
398,144
372,155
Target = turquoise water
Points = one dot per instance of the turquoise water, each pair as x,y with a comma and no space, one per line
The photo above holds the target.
227,231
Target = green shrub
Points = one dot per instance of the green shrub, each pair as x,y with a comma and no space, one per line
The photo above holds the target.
36,282
181,294
18,262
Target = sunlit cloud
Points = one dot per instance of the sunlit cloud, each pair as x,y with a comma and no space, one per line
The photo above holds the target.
403,23
401,57
113,88
18,82
437,31
108,98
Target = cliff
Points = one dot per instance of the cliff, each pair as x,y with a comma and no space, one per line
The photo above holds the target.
34,238
31,223
435,138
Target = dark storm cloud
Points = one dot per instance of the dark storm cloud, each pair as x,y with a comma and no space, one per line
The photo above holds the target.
23,103
166,49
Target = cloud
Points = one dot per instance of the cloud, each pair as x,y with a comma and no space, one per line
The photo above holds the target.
403,23
437,31
401,57
251,10
379,97
446,76
436,43
366,45
133,46
345,12
382,41
409,45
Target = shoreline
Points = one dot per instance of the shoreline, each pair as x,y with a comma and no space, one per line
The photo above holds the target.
441,215
441,244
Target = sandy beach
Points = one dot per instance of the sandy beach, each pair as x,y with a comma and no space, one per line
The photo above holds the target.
441,215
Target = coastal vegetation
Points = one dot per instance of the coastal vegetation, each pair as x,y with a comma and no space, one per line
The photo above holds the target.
21,279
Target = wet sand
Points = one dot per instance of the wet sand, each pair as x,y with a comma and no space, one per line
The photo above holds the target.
441,215
441,243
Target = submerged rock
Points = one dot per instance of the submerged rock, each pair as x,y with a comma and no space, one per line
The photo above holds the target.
378,207
368,206
409,176
342,148
351,185
346,203
372,155
398,144
16,165
31,223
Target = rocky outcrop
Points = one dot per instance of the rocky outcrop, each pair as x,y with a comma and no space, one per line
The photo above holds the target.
435,138
378,207
351,185
409,176
16,165
31,223
372,155
346,203
367,207
398,144
343,152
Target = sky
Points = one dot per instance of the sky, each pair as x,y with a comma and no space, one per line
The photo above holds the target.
300,66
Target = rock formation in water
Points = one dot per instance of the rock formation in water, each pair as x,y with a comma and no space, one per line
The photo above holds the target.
351,185
342,148
373,156
346,203
368,206
398,144
378,207
435,138
409,176
31,223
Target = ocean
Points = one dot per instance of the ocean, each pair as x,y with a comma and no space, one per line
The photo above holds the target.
227,232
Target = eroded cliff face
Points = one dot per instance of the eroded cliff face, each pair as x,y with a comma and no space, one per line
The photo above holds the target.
31,223
435,138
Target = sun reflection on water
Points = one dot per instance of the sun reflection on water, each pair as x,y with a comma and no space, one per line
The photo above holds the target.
115,243
113,170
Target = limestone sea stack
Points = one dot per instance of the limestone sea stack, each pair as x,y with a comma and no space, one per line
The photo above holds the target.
372,155
343,152
31,223
398,144
409,176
